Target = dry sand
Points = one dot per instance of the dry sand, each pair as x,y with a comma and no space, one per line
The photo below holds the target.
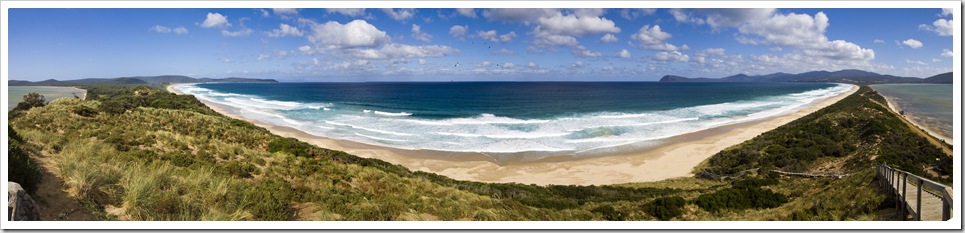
675,159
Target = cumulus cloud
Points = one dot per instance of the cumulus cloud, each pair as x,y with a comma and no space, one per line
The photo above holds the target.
942,27
162,29
947,53
396,51
879,41
399,14
804,32
721,18
653,38
285,30
915,62
215,20
468,12
912,43
419,35
306,49
588,12
946,11
636,13
354,12
577,64
624,54
582,51
574,25
532,65
608,38
458,31
357,33
491,35
671,56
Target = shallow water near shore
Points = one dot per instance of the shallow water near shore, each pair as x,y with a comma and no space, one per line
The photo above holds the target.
511,121
930,106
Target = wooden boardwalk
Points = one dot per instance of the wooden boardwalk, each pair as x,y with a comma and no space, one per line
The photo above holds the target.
923,199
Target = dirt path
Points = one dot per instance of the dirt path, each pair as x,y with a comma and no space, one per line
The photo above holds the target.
917,130
54,203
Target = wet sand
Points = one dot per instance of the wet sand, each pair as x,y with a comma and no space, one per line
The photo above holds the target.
676,158
910,117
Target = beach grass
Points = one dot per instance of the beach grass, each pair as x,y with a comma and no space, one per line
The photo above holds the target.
169,157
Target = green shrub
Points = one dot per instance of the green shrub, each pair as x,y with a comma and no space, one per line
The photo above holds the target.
740,198
609,213
665,208
22,168
30,100
271,198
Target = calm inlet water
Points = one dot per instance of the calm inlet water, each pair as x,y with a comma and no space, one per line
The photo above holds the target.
533,119
16,93
930,105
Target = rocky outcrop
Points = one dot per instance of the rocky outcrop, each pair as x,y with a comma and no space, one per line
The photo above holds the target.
20,207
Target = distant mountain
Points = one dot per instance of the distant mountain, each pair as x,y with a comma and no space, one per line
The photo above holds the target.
136,80
841,76
939,78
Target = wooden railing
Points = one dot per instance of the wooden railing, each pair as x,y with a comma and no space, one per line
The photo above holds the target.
928,197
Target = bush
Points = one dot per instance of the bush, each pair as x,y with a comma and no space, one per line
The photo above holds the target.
22,168
609,213
665,208
740,198
84,111
271,199
30,100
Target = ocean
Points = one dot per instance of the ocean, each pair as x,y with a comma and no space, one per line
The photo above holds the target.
930,105
528,119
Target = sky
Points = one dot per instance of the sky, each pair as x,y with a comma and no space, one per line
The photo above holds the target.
501,44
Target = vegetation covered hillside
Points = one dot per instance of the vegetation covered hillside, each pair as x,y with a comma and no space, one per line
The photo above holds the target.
139,153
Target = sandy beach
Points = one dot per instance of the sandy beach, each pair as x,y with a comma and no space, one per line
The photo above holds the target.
674,159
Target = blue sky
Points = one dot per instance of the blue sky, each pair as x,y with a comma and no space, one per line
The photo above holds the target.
322,45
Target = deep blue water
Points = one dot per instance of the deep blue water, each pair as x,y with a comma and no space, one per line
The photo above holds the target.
493,117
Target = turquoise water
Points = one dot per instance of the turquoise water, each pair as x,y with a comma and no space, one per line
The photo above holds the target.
930,105
532,119
16,93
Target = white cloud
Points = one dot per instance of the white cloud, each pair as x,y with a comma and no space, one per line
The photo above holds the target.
608,38
936,60
636,13
671,56
946,11
215,20
264,13
524,15
306,49
357,33
710,52
721,18
491,35
162,29
238,33
624,54
468,12
285,11
913,43
804,32
396,51
458,31
577,64
285,30
354,12
878,41
947,53
507,65
532,49
422,61
942,27
532,65
573,25
582,51
419,35
653,38
399,14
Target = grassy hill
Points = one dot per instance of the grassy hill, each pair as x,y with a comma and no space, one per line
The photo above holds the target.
140,153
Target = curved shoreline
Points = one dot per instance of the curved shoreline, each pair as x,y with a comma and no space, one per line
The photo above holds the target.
910,118
674,159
